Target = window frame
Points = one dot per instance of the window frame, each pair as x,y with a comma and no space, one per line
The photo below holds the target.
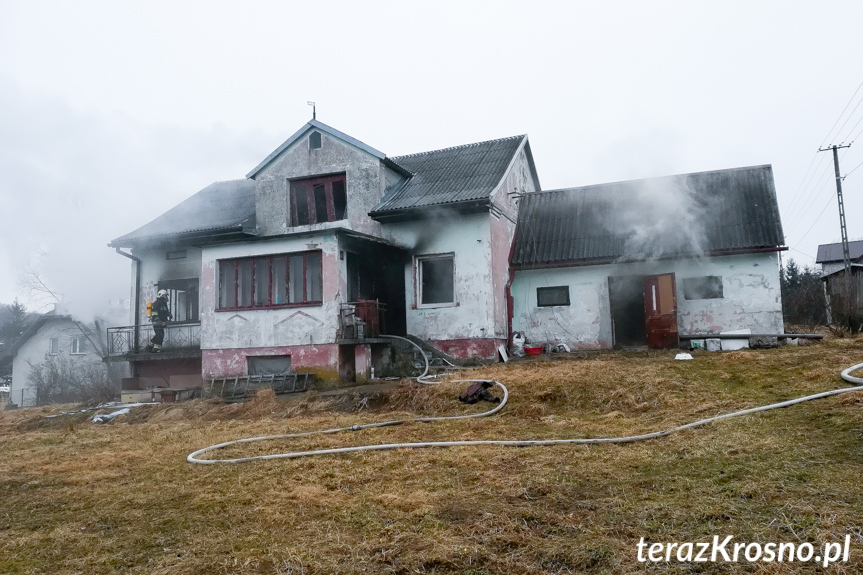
53,346
335,200
418,279
76,347
269,260
708,283
549,289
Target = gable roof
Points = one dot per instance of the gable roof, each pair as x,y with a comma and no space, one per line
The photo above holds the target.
315,125
833,252
724,211
456,175
220,208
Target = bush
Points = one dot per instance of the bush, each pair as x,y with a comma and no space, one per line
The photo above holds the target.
63,379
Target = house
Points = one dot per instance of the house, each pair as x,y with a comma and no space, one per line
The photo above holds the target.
649,262
66,343
832,260
325,245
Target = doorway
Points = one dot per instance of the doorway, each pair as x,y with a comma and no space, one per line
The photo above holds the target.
643,311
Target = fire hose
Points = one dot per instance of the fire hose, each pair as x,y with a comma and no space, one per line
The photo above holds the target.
194,457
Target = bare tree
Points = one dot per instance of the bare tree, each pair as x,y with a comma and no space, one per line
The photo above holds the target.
61,379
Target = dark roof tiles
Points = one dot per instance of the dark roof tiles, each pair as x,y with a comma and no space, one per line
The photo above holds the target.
833,252
690,214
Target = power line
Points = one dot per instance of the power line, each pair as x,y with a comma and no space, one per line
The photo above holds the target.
840,115
815,222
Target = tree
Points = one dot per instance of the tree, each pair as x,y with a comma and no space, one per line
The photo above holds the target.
13,322
62,379
802,295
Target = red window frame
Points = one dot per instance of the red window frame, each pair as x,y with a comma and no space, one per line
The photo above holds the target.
317,200
230,279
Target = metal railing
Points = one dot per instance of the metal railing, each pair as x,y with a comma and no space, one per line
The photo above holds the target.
134,338
362,319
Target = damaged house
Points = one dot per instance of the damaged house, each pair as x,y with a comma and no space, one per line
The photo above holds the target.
326,245
329,244
844,297
649,262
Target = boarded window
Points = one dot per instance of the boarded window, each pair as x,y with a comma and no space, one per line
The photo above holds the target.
436,275
269,365
706,287
549,296
317,200
269,281
315,141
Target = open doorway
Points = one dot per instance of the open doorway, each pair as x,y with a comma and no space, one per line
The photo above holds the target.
643,311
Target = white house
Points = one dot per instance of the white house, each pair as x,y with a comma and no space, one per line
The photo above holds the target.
649,262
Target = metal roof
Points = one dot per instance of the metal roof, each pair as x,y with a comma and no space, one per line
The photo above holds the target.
833,252
315,125
731,210
221,206
452,175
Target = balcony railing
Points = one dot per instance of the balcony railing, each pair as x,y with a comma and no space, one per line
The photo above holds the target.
362,319
134,338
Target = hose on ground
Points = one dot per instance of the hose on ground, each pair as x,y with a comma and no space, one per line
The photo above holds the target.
194,457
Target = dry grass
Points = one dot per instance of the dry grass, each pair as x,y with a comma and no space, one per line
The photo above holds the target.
76,497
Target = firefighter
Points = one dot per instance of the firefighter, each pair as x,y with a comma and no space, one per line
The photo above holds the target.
159,317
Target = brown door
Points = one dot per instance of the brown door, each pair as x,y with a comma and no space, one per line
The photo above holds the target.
660,311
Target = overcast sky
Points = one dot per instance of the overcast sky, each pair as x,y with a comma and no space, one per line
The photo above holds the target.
113,112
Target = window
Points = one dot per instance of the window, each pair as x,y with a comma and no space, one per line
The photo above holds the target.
182,298
317,200
175,255
269,365
435,281
271,281
549,296
706,287
315,141
77,346
53,346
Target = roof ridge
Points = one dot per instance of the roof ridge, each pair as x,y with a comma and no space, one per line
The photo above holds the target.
394,158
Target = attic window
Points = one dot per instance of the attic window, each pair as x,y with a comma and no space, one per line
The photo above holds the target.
53,346
315,141
77,346
317,200
706,287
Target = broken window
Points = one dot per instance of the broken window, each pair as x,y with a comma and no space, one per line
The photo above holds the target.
706,287
182,298
271,281
549,296
77,346
435,280
317,200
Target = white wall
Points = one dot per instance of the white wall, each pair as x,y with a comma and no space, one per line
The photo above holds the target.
468,238
302,325
751,298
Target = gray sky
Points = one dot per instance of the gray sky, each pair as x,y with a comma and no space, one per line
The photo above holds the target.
113,112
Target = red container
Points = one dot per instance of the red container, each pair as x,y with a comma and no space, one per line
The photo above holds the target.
533,350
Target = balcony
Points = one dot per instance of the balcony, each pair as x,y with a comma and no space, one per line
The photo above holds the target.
129,343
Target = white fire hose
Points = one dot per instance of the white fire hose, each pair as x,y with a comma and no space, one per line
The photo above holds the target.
194,457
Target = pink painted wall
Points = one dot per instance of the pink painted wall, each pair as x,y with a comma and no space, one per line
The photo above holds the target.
321,359
469,348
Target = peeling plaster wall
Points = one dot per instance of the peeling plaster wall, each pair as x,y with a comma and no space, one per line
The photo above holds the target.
367,179
291,326
468,238
155,268
321,359
751,299
35,351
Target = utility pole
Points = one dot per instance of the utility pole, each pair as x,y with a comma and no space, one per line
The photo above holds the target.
846,256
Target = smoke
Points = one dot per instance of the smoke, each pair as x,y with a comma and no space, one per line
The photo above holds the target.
657,217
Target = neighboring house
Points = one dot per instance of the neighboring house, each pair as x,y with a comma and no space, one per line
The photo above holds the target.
49,336
832,261
325,245
649,262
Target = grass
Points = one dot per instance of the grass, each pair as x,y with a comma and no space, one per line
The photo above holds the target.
77,497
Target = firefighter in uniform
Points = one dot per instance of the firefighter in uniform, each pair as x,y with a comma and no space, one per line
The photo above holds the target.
159,316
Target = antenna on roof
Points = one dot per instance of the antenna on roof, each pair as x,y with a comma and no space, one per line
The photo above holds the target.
312,104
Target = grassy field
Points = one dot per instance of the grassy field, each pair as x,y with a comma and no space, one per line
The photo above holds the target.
76,497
